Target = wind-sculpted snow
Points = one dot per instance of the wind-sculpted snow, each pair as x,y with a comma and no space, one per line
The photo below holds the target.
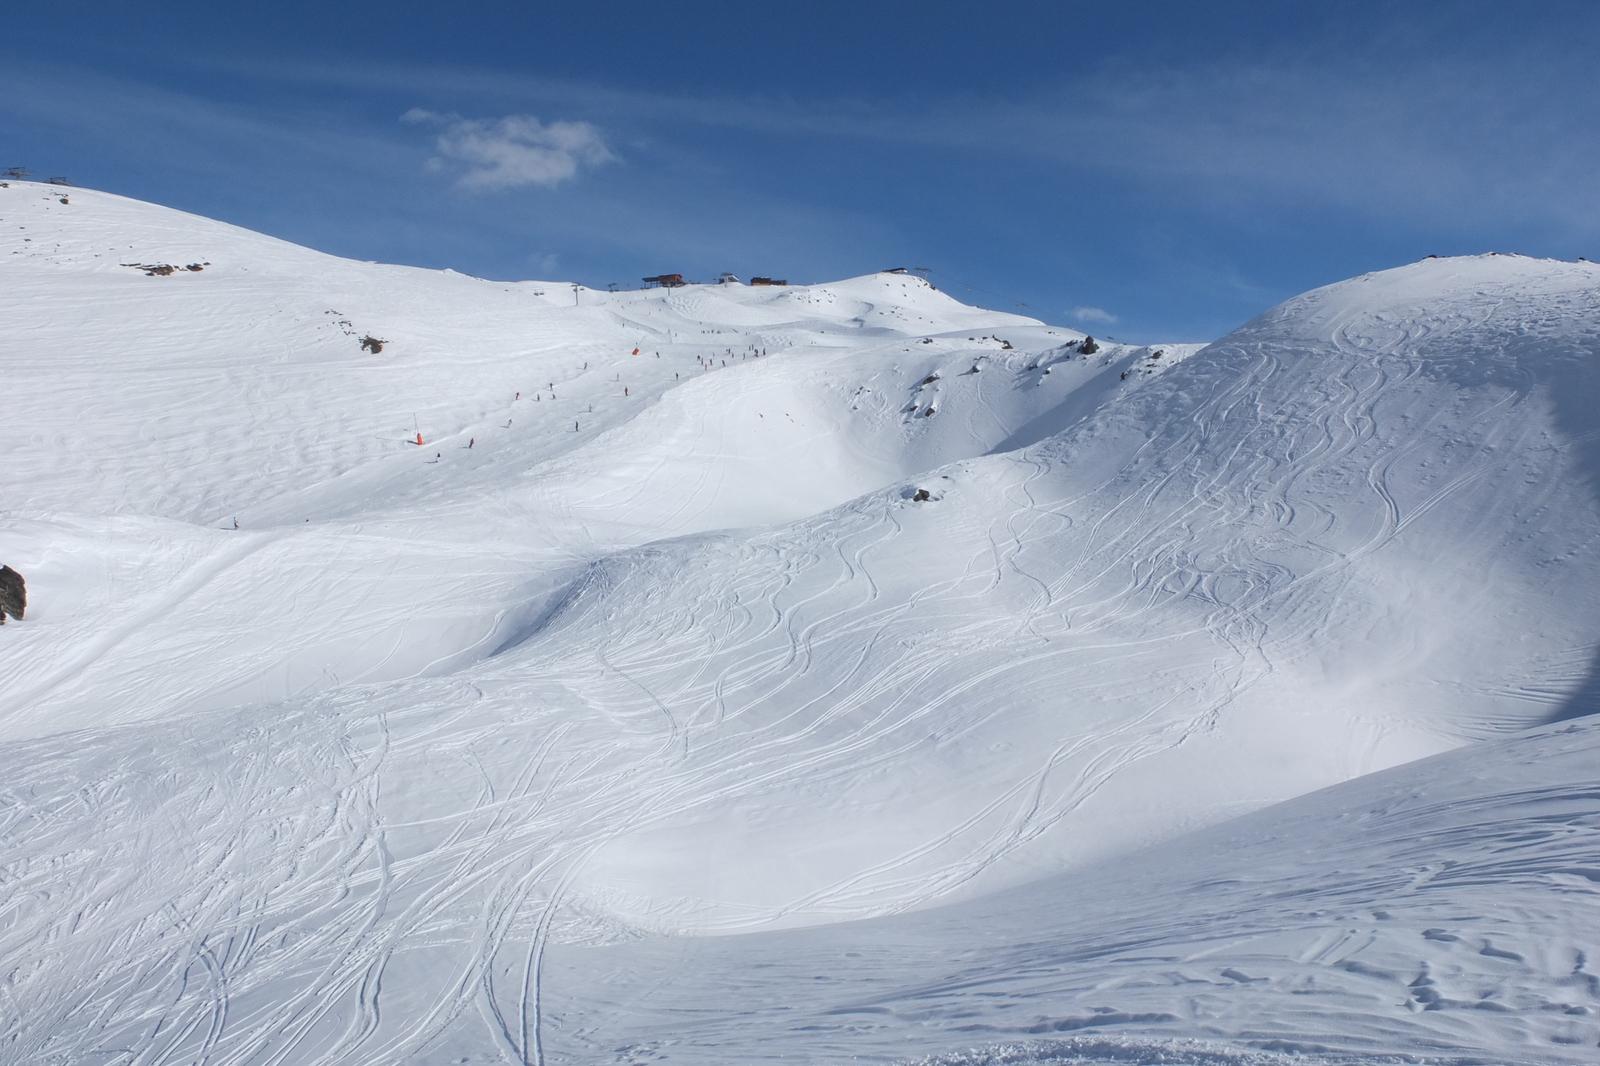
830,602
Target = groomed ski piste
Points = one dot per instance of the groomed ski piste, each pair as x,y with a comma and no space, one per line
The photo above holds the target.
823,673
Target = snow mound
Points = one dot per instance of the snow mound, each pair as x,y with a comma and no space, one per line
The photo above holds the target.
1439,912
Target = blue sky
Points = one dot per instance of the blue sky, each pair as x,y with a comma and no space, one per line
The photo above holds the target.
1152,171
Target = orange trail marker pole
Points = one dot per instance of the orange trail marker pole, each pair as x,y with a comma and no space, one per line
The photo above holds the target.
419,438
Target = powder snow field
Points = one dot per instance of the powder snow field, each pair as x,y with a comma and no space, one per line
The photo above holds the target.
645,712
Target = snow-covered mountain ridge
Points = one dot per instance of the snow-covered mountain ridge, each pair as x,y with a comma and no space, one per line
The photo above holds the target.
831,602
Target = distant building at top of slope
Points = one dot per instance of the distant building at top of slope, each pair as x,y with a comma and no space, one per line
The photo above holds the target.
669,281
768,281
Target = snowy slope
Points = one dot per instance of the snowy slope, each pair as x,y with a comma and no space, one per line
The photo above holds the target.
1443,909
240,392
1220,591
674,648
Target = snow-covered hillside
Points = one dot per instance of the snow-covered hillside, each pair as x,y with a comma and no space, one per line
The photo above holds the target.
721,610
1444,909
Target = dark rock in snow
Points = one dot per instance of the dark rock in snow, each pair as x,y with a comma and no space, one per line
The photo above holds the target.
13,594
1088,347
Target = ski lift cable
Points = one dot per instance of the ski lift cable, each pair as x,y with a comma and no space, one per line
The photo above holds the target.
975,288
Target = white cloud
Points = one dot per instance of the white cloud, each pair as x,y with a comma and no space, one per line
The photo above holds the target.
547,263
1442,138
515,150
1093,314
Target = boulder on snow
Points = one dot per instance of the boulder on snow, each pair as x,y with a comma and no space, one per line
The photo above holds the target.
13,594
1088,347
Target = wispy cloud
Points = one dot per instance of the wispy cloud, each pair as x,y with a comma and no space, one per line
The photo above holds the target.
504,153
1093,314
1403,141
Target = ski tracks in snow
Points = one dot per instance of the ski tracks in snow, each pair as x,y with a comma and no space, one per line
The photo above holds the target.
889,703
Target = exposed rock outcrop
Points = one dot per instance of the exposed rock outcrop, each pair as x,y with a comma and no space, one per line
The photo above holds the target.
13,594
